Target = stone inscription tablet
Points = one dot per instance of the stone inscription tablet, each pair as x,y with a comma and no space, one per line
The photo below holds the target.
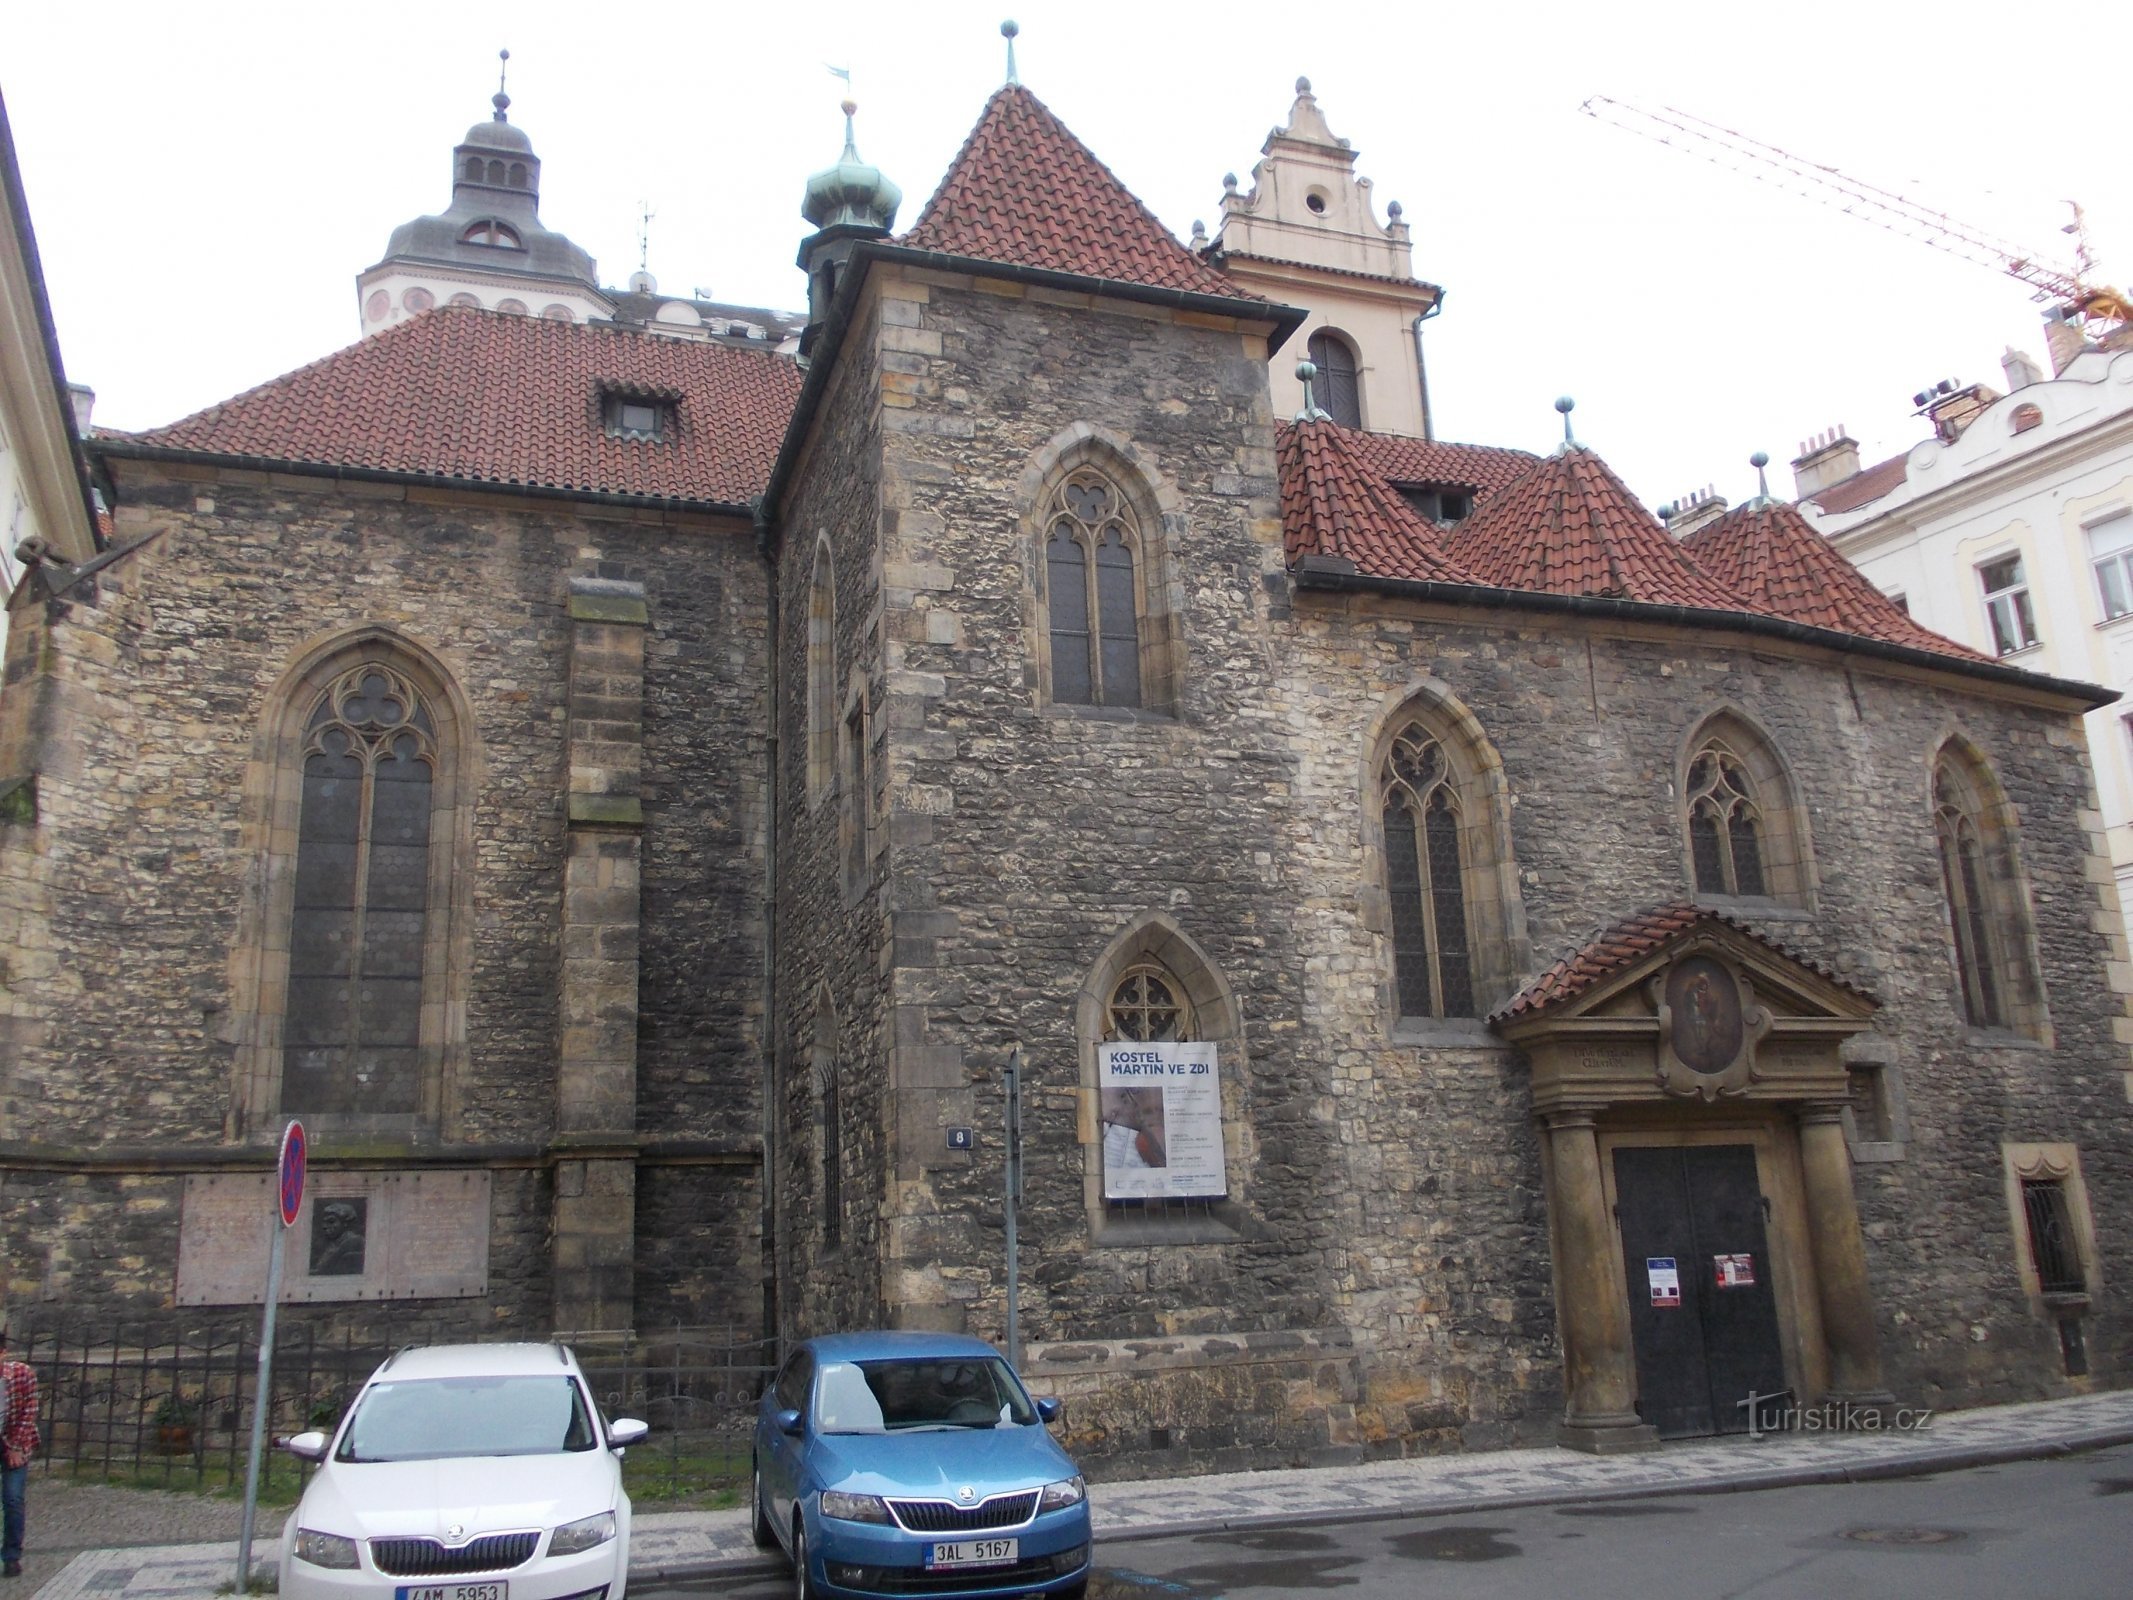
360,1236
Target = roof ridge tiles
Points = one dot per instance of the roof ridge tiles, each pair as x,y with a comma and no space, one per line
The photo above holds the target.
1568,525
465,394
1770,553
1025,191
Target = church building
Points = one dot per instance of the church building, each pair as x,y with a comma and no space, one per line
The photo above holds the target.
1478,969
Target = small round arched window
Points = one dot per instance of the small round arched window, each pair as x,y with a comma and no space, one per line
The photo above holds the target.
516,308
496,235
2025,417
418,299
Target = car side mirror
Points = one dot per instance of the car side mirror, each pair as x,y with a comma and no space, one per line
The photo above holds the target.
307,1446
1047,1410
788,1422
626,1431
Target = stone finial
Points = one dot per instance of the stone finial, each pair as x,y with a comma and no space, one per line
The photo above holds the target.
1199,234
1306,371
1303,85
1395,210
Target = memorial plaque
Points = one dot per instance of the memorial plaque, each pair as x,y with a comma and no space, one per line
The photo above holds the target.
365,1236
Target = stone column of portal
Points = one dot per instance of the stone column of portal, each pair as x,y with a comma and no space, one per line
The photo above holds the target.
596,1069
1599,1364
1840,1260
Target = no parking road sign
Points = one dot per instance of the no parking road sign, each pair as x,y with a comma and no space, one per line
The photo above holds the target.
289,1173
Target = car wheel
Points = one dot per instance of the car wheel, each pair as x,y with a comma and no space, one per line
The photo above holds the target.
803,1585
766,1537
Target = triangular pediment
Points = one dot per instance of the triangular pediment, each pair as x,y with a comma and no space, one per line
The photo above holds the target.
1609,977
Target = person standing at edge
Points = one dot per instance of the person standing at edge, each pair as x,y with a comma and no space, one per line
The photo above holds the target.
18,1442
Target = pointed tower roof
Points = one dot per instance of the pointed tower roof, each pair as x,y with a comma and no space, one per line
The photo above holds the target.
1570,526
1334,502
1767,552
1025,192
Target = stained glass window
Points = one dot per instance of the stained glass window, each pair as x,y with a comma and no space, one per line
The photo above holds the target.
1725,825
1092,591
1432,945
359,924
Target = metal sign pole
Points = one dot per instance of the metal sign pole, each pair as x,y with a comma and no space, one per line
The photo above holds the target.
1013,1085
290,1169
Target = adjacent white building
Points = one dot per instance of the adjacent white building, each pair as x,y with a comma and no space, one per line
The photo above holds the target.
2011,530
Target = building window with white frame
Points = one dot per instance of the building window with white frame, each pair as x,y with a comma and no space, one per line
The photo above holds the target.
2007,605
2111,555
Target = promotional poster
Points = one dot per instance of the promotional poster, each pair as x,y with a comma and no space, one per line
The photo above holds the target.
1161,1105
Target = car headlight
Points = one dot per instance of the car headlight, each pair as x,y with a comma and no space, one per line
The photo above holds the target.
854,1507
325,1549
1066,1492
583,1534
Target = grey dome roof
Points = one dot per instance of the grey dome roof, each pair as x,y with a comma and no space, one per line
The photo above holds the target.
497,134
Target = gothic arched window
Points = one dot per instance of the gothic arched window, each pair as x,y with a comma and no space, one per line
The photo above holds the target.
1988,923
1725,824
821,675
1338,390
1432,940
1093,590
1747,833
359,921
1963,881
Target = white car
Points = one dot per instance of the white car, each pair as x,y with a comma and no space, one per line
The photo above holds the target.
465,1472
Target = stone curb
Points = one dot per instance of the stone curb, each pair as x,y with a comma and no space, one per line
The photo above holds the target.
1923,1464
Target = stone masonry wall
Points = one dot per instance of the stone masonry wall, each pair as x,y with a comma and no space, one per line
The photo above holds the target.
832,937
163,664
1393,1189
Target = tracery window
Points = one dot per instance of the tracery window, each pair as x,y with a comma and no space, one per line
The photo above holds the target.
359,920
1337,390
1964,881
1726,826
1092,546
1425,879
1148,1005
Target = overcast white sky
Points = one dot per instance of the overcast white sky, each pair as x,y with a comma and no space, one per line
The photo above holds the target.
206,180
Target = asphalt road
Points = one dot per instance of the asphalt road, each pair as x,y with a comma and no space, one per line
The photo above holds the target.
2061,1527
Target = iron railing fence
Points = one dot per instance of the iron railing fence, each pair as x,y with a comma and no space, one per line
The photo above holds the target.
165,1400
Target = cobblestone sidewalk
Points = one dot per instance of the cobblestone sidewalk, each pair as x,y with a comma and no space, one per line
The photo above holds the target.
688,1544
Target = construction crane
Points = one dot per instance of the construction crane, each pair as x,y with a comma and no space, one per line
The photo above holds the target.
2095,309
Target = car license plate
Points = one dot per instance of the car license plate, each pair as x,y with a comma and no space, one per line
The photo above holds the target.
452,1591
973,1553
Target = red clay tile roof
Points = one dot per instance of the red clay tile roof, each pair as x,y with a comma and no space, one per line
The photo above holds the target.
485,397
1616,949
1862,487
1024,191
1569,526
1769,553
1334,502
1484,468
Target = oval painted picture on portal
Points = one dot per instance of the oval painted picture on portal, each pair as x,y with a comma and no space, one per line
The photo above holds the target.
1706,1014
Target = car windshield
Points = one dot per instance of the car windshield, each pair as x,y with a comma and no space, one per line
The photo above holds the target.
428,1419
892,1396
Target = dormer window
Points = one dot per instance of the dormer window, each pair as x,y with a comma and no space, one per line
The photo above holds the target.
1443,503
637,414
496,235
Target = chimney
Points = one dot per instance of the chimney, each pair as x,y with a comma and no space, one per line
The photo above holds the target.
1953,408
2063,338
1692,511
83,399
1829,457
2020,369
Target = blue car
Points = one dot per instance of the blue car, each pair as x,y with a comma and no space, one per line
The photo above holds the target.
915,1464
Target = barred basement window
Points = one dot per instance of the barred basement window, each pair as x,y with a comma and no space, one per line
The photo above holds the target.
1425,880
359,922
1725,825
2052,1250
1093,594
